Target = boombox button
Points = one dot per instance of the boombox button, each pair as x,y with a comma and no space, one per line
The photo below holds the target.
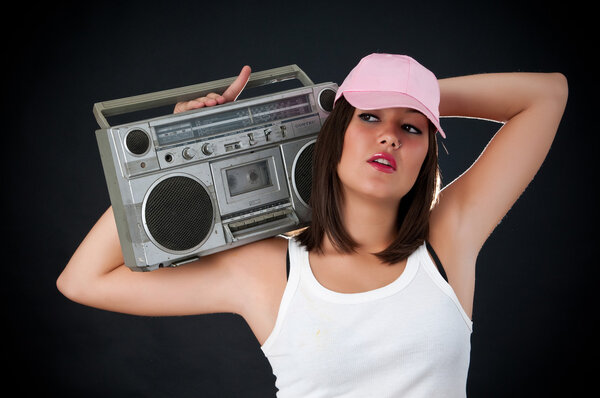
188,153
267,133
228,147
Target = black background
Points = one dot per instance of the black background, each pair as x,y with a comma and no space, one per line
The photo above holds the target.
533,315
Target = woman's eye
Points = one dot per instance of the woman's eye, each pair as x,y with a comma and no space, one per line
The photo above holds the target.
368,117
411,129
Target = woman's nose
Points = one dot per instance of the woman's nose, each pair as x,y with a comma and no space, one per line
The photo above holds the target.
390,140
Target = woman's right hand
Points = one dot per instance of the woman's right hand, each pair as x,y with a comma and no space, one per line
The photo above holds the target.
212,99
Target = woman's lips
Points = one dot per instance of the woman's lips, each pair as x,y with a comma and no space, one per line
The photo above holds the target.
383,162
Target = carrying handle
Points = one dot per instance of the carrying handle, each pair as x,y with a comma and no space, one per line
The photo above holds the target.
187,93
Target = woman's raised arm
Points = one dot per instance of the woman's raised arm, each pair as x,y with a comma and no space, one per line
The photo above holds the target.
530,106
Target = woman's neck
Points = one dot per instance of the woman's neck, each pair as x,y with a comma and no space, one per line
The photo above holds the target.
370,223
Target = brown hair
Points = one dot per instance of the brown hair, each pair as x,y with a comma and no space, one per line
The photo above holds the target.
327,195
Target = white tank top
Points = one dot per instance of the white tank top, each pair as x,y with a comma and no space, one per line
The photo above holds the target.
410,338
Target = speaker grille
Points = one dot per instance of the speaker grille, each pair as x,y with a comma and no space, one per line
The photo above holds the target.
326,98
179,213
137,142
303,173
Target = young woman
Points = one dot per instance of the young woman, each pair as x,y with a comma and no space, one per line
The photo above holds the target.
379,293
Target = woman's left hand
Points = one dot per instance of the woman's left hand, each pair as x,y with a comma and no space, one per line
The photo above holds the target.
212,99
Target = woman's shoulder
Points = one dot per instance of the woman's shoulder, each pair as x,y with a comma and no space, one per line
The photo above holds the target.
269,248
262,261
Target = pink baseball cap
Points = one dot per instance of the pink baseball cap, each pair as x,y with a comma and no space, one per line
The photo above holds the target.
391,81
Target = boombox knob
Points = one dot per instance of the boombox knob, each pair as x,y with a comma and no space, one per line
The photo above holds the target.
188,153
207,148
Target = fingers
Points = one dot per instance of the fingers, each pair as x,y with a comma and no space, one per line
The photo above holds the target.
234,90
212,99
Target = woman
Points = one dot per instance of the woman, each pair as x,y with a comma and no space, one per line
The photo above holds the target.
379,294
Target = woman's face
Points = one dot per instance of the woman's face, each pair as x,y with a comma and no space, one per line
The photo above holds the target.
383,152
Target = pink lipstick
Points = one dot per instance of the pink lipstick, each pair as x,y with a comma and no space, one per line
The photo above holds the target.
383,162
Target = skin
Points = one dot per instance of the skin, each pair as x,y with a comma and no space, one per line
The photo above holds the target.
400,132
213,99
250,280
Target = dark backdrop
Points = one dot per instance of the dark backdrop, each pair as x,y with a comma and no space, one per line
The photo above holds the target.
533,304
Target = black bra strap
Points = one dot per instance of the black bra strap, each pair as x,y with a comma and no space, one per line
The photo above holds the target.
437,261
287,264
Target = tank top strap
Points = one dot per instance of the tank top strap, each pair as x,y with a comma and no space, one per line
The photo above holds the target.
293,266
297,256
436,276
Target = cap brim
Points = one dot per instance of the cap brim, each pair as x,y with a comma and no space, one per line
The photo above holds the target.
369,100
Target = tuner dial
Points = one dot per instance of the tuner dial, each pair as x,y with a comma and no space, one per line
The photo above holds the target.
207,148
188,153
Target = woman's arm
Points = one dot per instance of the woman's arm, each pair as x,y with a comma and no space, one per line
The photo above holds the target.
531,106
222,282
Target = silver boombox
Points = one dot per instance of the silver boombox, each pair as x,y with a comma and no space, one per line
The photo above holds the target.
199,182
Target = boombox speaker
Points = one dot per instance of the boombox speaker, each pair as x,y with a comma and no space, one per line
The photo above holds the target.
199,182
